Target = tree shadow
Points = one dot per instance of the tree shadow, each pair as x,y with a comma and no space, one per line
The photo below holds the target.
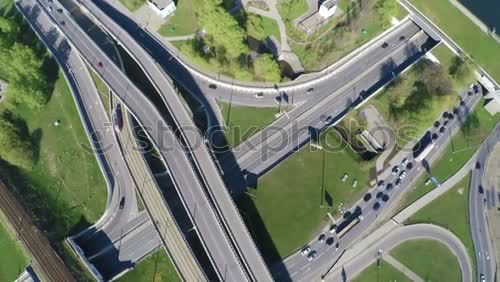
36,138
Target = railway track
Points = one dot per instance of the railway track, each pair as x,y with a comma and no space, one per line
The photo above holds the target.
45,260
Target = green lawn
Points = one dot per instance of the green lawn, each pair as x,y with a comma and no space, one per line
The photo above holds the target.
438,212
157,268
242,122
463,145
483,49
291,9
183,22
431,260
66,189
133,5
284,210
13,260
271,28
383,273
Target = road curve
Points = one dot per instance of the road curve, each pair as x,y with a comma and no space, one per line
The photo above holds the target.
478,205
400,235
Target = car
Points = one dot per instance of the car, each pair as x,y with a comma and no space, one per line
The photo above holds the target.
409,166
321,238
376,206
118,118
259,95
405,161
212,86
437,123
380,184
122,202
445,124
385,45
329,241
379,195
434,136
310,90
402,175
445,114
367,197
99,64
478,165
462,103
50,9
398,183
402,37
427,182
442,129
385,198
475,88
483,279
305,251
312,256
469,93
389,187
395,170
455,111
333,228
63,22
59,10
451,116
481,189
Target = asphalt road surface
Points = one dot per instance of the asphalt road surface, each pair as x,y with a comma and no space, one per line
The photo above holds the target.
483,246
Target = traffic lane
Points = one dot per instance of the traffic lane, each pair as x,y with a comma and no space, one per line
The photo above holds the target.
75,69
399,236
374,73
272,148
368,213
178,71
128,92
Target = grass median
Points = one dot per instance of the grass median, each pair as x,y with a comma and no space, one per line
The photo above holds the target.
483,49
291,202
13,259
156,267
416,255
450,211
382,272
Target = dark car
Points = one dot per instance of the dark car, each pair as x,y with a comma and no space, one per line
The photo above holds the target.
310,90
434,136
122,202
445,123
462,103
99,64
445,114
455,110
478,165
329,241
321,238
333,228
398,182
379,195
442,129
389,187
402,37
376,206
481,189
469,93
212,86
385,198
385,45
409,166
475,87
367,197
437,124
451,116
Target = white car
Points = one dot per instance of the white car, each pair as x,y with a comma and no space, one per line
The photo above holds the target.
312,256
405,162
402,175
305,251
259,95
395,170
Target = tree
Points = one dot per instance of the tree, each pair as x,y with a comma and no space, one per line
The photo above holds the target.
222,29
255,26
15,145
461,69
386,9
434,77
267,68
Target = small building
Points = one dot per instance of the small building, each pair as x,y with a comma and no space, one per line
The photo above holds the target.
328,8
493,102
326,11
163,8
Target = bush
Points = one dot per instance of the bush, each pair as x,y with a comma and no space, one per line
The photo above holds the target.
461,69
15,144
266,68
386,9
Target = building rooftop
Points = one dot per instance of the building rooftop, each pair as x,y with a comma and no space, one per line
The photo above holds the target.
161,4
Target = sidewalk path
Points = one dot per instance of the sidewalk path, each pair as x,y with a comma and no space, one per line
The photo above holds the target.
402,268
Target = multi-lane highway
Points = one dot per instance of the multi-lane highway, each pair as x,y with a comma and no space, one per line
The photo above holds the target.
208,223
478,206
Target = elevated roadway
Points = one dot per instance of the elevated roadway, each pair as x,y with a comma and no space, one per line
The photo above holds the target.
208,225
